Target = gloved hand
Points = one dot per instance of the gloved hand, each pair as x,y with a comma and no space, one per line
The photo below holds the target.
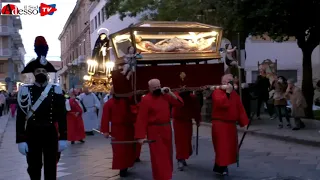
62,145
23,148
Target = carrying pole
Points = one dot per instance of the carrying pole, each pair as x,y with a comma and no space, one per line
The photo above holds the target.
239,67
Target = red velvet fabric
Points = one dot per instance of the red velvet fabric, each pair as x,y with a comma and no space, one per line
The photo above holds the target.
196,75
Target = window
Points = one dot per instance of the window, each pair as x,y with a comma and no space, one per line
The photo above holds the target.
4,20
103,14
99,19
1,67
91,26
79,24
288,74
77,52
5,42
84,48
95,23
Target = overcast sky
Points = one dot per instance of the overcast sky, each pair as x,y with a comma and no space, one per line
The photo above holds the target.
48,26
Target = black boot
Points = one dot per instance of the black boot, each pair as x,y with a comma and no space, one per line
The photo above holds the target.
124,172
180,165
72,142
82,141
220,170
184,163
137,160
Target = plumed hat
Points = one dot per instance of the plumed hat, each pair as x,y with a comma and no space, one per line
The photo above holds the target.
41,48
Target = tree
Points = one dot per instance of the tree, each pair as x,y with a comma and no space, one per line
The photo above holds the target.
282,19
204,11
279,19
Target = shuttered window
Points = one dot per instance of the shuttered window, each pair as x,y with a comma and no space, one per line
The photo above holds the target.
5,42
4,20
1,67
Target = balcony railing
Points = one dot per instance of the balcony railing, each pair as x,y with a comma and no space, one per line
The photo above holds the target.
17,39
5,30
5,52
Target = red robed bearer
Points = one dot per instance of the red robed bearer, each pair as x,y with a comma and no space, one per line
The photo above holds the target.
153,121
227,110
117,111
74,118
182,123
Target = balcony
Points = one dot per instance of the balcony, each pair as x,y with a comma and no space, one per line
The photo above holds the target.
17,40
5,52
17,22
5,31
16,56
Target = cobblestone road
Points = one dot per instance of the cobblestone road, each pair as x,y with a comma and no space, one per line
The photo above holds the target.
260,159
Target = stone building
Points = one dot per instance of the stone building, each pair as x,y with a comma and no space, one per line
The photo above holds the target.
75,46
11,51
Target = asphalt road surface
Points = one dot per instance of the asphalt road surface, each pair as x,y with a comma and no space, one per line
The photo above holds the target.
260,159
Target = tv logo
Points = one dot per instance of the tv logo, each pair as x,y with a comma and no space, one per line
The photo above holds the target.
15,9
45,9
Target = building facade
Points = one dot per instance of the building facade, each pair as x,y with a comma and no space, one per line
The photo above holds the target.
11,51
287,54
98,20
75,46
53,77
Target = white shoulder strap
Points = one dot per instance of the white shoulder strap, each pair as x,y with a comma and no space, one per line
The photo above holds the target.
43,96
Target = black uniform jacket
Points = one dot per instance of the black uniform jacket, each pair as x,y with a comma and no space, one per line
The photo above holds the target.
51,111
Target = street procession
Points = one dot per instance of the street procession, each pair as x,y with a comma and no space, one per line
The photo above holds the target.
144,101
156,97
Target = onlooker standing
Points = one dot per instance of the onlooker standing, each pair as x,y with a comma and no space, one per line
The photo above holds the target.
12,103
7,106
298,103
91,104
2,102
262,92
280,102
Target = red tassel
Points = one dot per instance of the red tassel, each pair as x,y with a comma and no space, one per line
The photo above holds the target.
40,41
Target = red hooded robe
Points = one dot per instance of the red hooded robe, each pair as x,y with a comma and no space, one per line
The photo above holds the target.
154,121
182,123
226,112
117,111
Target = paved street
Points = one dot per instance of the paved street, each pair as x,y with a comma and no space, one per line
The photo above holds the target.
260,159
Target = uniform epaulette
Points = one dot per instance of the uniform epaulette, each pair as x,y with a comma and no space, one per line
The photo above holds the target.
24,89
57,89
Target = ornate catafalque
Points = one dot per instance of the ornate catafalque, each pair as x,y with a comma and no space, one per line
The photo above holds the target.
177,53
100,67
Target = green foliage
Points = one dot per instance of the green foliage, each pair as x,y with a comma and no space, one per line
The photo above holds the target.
214,12
284,18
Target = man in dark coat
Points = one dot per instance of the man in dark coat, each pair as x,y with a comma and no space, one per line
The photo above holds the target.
41,129
262,92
